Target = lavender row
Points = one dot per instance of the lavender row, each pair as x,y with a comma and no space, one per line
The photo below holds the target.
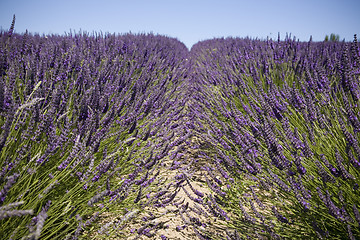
282,118
81,126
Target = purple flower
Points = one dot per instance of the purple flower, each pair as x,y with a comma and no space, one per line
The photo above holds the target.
301,169
179,228
280,217
356,213
10,182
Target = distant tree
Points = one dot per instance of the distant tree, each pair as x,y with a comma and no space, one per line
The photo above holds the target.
333,37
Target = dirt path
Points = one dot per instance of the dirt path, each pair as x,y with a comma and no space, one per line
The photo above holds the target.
185,214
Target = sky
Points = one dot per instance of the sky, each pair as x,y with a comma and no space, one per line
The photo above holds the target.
189,21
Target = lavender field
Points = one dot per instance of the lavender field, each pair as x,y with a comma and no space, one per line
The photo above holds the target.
133,136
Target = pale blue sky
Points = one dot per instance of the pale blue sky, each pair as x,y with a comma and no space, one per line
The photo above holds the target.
188,21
